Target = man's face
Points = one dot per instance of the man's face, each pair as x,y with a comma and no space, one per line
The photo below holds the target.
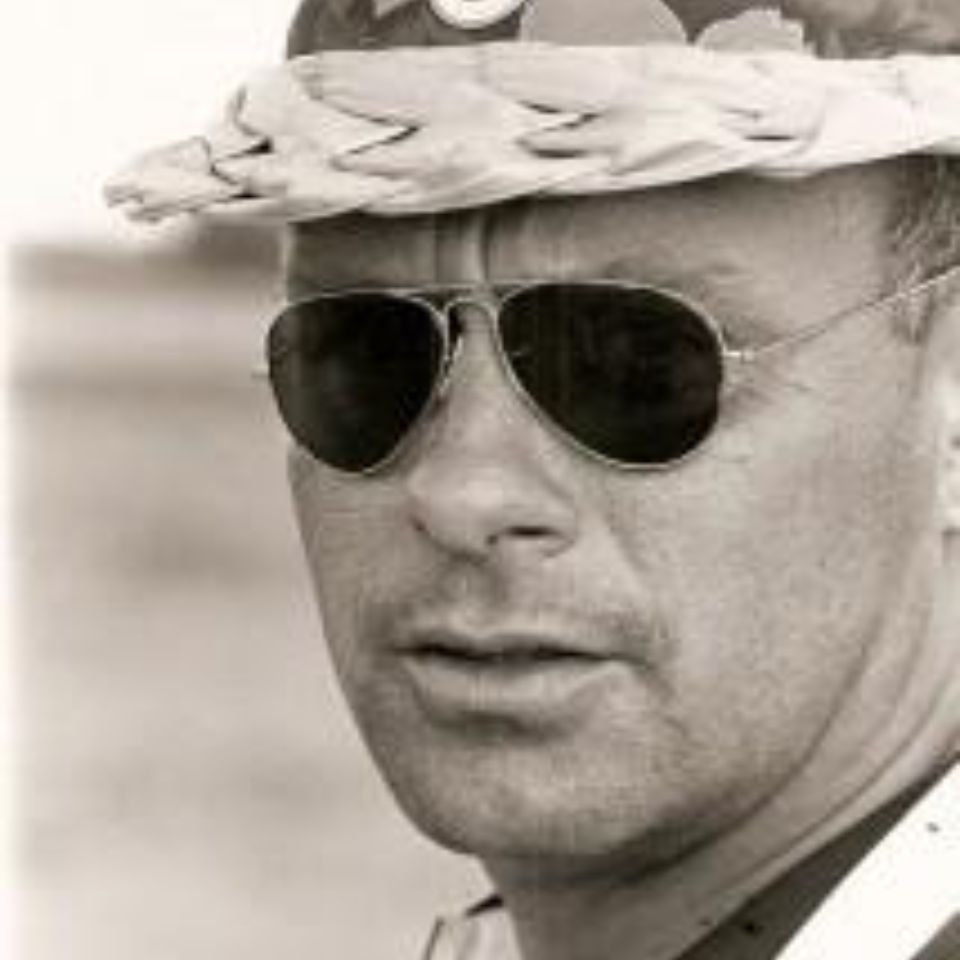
553,657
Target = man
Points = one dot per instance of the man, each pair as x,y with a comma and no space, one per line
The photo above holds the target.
632,512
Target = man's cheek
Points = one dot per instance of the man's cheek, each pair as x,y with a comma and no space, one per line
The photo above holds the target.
772,594
352,529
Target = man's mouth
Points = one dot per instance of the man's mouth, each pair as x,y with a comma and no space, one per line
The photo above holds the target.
517,674
495,649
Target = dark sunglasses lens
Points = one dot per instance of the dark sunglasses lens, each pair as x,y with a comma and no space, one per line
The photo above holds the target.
352,374
632,374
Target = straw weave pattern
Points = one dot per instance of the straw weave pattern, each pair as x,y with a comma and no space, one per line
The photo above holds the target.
419,130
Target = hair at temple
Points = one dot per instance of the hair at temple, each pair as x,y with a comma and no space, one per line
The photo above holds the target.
925,231
926,234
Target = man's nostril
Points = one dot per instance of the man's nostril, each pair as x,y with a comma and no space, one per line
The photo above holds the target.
531,532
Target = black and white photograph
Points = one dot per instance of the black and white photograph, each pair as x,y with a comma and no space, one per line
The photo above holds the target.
483,480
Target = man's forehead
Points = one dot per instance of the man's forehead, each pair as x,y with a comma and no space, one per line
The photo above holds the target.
685,237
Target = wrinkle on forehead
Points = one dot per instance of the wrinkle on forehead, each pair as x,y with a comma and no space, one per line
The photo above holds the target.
362,251
728,243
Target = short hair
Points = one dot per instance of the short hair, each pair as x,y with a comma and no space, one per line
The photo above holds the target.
925,234
926,229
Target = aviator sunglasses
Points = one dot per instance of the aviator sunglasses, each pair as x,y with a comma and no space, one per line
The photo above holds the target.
631,375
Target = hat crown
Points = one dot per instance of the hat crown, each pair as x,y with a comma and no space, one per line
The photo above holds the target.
836,28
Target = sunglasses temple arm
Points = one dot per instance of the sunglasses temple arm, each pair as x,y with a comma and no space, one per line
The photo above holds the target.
747,355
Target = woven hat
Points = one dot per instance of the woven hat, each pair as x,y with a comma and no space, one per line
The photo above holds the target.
417,106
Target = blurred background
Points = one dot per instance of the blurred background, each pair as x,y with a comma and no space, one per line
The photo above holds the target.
187,783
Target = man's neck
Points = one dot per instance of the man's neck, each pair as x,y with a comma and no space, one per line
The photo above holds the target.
735,926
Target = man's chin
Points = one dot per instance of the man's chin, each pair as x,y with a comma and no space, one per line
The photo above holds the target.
581,777
547,842
544,810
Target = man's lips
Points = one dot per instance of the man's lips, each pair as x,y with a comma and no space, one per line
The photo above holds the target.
528,676
495,648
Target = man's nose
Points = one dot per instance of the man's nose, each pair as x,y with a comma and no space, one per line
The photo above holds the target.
486,480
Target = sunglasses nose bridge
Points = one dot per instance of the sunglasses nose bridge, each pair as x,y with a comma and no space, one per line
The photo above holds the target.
451,319
454,309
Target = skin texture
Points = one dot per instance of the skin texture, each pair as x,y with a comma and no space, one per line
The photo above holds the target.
760,610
